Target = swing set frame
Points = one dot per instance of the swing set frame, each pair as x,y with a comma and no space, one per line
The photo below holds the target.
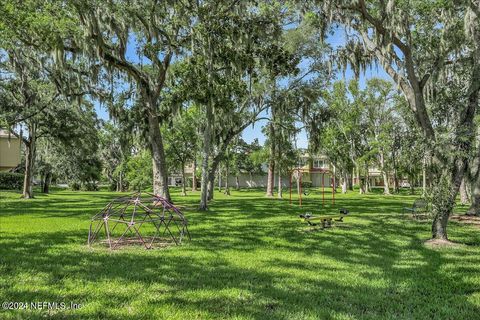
300,172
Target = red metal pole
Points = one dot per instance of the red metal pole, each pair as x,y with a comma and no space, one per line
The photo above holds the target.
323,189
300,175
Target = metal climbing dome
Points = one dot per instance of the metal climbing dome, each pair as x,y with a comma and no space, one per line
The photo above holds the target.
138,219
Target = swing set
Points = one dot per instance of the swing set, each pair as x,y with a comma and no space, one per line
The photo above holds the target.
297,174
325,221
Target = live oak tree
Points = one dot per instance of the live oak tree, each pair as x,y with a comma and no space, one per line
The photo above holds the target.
418,44
25,95
40,88
34,102
101,33
73,155
132,40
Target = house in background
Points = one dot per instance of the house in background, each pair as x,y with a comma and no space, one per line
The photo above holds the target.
316,170
10,148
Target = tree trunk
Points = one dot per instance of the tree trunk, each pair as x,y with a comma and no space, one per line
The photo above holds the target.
386,186
396,188
46,182
361,182
211,176
344,182
465,140
368,187
443,200
439,227
350,180
463,193
237,182
299,185
194,176
270,178
219,179
271,163
469,188
205,158
475,196
280,186
120,182
227,186
30,149
424,176
211,186
475,207
411,181
334,182
160,174
184,185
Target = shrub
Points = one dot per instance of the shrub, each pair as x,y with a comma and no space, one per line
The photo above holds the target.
306,184
75,186
11,181
84,186
89,186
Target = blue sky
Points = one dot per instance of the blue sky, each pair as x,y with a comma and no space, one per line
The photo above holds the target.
335,40
255,131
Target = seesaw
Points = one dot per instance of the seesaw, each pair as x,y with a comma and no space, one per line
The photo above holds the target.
325,220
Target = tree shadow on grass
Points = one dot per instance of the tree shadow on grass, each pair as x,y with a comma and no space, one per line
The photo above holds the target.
358,273
249,260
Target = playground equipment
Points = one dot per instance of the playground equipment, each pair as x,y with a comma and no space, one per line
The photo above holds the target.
147,218
325,220
297,174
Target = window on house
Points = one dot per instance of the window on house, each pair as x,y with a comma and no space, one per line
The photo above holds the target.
317,163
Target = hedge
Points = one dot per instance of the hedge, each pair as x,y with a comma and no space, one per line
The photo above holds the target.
11,181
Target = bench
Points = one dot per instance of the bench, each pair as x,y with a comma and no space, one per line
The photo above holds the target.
420,206
325,220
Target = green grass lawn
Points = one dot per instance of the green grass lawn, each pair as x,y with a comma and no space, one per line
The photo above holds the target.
249,258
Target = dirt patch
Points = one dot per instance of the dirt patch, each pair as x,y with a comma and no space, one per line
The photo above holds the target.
118,244
440,243
471,220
